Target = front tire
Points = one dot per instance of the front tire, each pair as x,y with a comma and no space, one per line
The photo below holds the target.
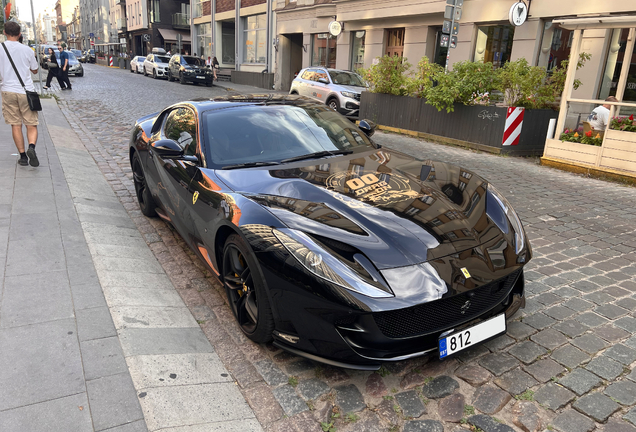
169,76
182,79
246,291
154,74
147,203
334,104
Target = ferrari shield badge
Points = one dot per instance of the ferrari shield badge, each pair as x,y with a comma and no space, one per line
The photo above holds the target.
465,272
195,197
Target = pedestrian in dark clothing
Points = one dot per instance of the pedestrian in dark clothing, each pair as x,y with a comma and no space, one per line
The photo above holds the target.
53,70
65,83
215,67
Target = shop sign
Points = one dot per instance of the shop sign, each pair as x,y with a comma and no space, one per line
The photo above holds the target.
335,28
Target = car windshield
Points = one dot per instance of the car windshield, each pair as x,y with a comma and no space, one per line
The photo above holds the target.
266,133
92,51
346,78
140,59
192,60
162,59
71,58
76,52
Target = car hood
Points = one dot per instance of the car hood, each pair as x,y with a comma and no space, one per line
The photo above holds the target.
353,89
397,210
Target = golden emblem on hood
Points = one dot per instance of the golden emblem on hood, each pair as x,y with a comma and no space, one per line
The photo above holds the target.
374,187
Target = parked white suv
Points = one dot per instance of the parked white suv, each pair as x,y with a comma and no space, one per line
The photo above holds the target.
156,65
339,89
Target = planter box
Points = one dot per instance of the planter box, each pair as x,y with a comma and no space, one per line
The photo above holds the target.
476,126
581,154
619,151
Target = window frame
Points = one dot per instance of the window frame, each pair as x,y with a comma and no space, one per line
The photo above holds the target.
260,31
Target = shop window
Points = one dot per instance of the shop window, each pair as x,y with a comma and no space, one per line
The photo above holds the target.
204,35
395,42
255,33
616,56
323,50
556,43
494,44
357,50
227,42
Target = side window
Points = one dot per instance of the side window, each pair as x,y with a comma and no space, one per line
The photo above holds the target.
320,74
307,75
181,126
149,58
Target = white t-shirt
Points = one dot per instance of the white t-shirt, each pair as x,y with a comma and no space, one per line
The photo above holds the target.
599,118
24,60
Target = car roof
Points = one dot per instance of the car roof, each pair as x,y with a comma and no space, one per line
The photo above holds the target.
204,104
330,69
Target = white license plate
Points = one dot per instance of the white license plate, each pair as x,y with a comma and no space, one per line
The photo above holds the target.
472,336
200,77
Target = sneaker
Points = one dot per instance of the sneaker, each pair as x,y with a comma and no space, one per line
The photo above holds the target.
24,161
33,158
46,87
65,88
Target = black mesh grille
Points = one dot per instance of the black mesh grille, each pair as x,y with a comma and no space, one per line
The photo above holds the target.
357,96
444,313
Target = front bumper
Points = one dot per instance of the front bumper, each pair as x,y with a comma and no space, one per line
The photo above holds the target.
330,332
161,72
76,70
206,78
349,107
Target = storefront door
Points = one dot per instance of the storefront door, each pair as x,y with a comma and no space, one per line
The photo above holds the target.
395,42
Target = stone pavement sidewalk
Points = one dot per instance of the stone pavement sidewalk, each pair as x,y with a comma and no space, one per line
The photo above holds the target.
93,335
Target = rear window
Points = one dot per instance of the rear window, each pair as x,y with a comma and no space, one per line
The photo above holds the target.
162,59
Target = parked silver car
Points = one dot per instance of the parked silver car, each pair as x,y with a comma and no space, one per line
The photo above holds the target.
156,65
137,64
339,89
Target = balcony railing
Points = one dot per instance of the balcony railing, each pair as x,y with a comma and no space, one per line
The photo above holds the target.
121,25
197,9
120,2
181,20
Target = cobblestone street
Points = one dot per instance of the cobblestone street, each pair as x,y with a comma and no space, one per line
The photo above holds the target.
566,364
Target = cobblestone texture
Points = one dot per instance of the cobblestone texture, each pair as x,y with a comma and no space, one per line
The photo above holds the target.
580,289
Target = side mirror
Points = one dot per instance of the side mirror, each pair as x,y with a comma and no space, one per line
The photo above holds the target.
167,148
367,126
323,80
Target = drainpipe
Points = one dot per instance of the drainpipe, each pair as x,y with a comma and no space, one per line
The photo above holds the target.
268,37
213,28
238,29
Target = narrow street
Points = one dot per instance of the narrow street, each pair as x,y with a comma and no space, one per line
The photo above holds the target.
566,363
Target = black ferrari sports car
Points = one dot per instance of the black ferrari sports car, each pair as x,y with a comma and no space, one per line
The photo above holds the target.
337,249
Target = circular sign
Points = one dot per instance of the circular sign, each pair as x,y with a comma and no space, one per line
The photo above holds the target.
335,28
518,14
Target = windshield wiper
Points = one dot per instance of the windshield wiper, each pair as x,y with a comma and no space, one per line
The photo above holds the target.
249,164
317,155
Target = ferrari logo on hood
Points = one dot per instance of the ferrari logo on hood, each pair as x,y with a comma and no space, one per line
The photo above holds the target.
465,272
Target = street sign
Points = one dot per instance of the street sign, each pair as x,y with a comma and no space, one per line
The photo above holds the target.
446,27
146,37
448,12
91,35
453,42
443,41
458,14
455,28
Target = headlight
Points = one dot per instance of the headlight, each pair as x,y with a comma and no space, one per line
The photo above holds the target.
324,265
499,209
348,94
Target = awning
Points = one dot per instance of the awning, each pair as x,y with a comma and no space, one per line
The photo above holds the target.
170,35
600,22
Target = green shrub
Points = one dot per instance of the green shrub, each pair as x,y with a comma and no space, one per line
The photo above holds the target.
422,81
389,75
468,83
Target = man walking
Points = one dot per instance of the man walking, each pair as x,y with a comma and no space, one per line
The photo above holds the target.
15,107
65,84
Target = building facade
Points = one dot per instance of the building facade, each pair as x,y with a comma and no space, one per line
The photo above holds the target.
46,26
158,24
413,29
237,32
95,23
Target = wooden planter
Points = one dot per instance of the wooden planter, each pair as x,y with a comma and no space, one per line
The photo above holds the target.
474,126
619,151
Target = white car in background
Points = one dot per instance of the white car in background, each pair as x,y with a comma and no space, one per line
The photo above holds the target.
137,64
156,65
339,89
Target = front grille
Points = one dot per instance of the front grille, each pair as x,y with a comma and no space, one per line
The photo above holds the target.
441,314
357,96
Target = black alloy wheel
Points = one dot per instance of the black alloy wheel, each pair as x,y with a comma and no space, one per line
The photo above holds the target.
169,76
154,73
146,202
246,290
182,78
145,74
